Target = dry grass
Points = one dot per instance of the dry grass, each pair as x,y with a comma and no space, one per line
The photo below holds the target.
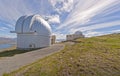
96,56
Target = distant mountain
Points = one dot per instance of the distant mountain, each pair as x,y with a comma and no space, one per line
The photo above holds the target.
4,40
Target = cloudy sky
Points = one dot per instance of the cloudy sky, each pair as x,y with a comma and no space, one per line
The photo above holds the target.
92,17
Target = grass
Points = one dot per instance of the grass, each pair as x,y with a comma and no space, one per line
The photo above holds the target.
96,56
9,53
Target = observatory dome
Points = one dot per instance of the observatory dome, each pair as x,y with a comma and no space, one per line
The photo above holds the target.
32,24
78,33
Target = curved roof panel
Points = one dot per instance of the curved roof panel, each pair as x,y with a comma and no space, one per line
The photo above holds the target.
19,24
33,23
40,26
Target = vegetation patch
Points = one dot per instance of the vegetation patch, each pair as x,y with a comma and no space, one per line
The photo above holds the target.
9,53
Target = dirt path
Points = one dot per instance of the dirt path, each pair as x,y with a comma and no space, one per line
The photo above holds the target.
9,64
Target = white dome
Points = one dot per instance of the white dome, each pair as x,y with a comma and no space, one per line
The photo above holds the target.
33,23
78,33
19,24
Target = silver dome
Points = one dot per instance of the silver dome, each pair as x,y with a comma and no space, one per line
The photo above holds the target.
33,24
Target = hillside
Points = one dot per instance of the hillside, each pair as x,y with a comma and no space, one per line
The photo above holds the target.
96,56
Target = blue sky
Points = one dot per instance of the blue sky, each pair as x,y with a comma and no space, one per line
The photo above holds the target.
92,17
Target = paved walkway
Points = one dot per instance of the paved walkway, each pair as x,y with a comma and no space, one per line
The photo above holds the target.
9,64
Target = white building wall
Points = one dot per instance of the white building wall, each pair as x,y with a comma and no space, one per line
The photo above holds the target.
32,41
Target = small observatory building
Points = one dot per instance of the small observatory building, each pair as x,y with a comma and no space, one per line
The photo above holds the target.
32,32
77,34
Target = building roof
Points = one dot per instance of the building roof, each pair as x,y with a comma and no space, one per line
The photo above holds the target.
33,24
78,33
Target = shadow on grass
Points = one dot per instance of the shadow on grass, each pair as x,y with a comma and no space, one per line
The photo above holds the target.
10,53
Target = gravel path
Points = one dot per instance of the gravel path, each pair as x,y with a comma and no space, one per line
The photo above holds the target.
9,64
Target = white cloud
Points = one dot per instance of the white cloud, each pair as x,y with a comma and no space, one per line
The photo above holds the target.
3,28
13,9
99,26
93,33
60,35
115,31
62,5
53,19
85,10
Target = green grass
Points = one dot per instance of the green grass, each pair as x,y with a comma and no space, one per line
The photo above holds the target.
96,56
9,53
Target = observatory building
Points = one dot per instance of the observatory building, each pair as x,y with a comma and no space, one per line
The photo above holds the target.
77,34
32,32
